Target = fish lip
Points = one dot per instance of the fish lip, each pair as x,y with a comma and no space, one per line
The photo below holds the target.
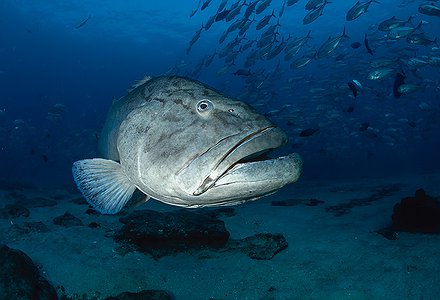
211,180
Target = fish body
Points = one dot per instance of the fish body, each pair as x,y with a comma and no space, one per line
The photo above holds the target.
276,50
308,132
402,31
429,9
312,4
299,42
434,61
367,45
417,62
383,62
353,87
263,5
291,2
408,88
196,36
210,21
83,22
302,61
314,14
283,7
420,39
399,80
242,72
193,12
355,45
392,22
263,22
330,45
358,9
247,45
234,12
250,9
222,5
184,144
210,59
205,4
380,73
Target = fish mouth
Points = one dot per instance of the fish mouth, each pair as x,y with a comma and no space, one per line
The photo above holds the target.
250,149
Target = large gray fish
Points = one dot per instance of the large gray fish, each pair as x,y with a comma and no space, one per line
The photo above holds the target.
184,144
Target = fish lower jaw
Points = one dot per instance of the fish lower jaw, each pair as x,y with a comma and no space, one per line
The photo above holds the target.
211,180
253,179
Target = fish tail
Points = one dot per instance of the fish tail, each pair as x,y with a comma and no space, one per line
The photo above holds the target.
344,35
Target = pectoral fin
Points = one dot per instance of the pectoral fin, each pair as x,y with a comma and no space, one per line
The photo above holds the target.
103,183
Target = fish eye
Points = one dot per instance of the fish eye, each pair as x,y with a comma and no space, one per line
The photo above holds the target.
204,106
230,110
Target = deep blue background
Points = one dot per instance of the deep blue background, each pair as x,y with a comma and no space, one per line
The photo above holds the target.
45,60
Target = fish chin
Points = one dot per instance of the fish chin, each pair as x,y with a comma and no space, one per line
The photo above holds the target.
243,154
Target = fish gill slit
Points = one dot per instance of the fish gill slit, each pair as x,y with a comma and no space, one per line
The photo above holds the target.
199,155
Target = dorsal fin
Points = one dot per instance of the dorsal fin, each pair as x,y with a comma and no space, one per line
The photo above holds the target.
138,83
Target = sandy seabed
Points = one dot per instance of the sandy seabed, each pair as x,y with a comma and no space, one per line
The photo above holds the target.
328,257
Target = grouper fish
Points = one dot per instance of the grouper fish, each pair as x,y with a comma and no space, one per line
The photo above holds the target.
185,144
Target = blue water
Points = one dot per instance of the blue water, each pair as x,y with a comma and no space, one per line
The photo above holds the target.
45,60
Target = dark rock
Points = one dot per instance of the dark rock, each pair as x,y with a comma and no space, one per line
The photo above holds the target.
380,193
13,211
224,212
17,196
36,202
79,201
16,230
261,246
314,202
89,296
388,233
91,211
60,197
93,225
420,213
294,202
161,234
143,295
8,186
20,278
67,220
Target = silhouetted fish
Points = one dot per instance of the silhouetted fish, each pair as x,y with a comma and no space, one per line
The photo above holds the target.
355,45
308,132
83,22
242,72
367,45
398,81
353,88
364,126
